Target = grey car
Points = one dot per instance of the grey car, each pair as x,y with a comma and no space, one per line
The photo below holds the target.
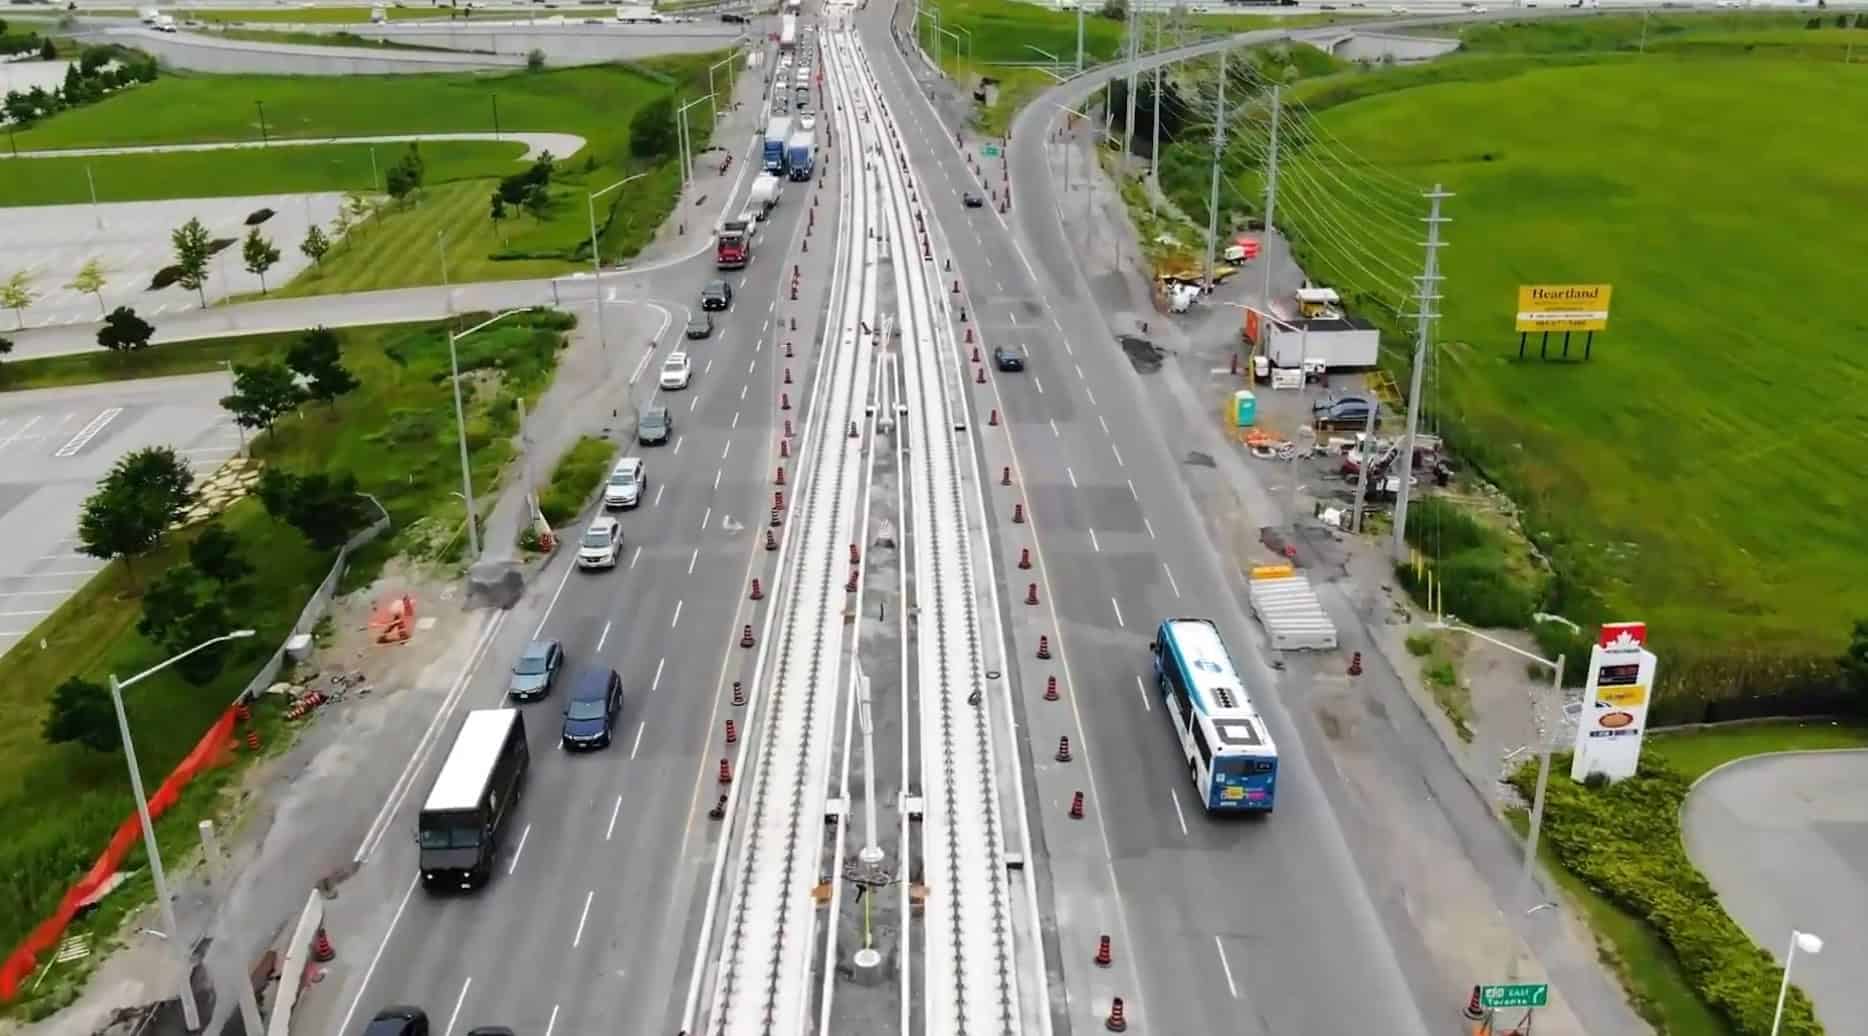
535,670
700,325
654,425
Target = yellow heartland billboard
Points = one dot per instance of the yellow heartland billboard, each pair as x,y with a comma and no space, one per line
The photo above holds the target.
1563,307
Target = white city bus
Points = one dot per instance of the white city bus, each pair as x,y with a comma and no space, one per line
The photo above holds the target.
1230,754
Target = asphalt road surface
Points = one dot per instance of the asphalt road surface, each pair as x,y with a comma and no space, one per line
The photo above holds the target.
54,446
1252,927
586,926
1784,840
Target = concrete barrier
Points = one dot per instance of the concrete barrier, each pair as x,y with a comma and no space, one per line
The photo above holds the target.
297,959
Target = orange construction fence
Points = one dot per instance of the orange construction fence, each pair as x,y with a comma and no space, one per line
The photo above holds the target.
25,957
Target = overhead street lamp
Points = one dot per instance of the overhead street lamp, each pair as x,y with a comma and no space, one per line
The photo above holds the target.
596,262
1521,895
460,427
687,139
713,106
1811,945
191,1013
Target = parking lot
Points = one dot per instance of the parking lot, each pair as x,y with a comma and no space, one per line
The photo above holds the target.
131,240
54,446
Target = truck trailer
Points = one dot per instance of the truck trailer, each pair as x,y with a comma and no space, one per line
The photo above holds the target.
774,151
788,32
766,188
801,154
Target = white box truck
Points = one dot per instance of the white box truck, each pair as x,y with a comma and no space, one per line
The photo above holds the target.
788,32
638,14
766,188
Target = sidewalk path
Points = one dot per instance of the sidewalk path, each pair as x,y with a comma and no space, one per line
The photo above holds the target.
1784,840
561,145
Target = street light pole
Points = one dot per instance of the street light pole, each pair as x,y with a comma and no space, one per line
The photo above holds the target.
596,263
191,1012
447,290
1521,893
871,852
687,141
1811,945
460,427
264,140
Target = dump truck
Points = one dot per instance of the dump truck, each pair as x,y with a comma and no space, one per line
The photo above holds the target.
733,249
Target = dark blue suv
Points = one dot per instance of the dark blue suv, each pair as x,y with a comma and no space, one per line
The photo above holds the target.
591,710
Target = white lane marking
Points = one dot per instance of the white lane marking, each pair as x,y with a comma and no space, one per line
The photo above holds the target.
458,1001
692,558
656,683
553,1022
1226,966
1150,526
377,957
1118,608
735,423
46,611
1073,476
693,404
1091,395
705,518
523,835
601,637
658,495
1054,432
707,369
87,433
1035,380
1014,317
1178,815
716,480
742,393
633,558
1142,689
1097,547
1118,453
1067,347
637,747
1102,421
1079,368
678,440
640,367
753,366
676,621
1133,493
585,916
614,810
727,449
1170,575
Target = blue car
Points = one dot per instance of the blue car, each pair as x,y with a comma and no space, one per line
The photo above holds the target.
590,713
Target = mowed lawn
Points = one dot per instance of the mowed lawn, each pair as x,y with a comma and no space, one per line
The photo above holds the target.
1703,462
203,174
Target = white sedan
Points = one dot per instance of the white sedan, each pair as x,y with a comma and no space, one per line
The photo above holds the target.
677,372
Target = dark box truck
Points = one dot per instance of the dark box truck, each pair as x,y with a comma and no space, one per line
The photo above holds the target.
472,798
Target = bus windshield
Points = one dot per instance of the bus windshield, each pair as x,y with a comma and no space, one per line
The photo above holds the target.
450,833
1241,767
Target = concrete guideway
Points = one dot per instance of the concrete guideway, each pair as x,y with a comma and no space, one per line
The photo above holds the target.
561,145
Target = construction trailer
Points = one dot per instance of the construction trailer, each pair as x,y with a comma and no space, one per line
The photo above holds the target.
1312,328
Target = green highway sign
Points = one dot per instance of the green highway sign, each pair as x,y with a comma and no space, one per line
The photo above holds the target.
1524,995
990,151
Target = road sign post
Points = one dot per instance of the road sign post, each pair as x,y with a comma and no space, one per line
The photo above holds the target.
1516,995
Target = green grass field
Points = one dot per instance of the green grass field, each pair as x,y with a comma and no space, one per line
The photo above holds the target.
594,102
395,433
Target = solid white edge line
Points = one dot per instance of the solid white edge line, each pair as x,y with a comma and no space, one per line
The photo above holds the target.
1142,689
377,957
516,853
455,1015
615,811
1226,966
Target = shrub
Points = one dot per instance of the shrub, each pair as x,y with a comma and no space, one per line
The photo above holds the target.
574,479
1472,565
1623,839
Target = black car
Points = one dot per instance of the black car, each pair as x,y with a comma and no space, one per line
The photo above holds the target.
716,295
731,18
972,200
1006,359
535,670
590,714
489,1030
398,1021
1349,412
700,325
654,425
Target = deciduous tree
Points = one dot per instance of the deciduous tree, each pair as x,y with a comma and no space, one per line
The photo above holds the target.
260,255
215,553
143,495
90,280
315,245
320,360
325,509
16,293
82,714
263,392
193,247
123,331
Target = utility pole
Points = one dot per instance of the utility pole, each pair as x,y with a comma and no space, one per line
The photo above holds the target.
1427,294
1128,119
1080,4
1154,144
1271,196
1219,145
871,852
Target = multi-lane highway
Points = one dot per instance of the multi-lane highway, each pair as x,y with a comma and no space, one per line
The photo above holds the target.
590,906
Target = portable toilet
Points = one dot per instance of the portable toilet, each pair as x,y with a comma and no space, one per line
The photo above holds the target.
1244,408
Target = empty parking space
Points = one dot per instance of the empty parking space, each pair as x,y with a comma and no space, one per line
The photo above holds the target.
54,446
